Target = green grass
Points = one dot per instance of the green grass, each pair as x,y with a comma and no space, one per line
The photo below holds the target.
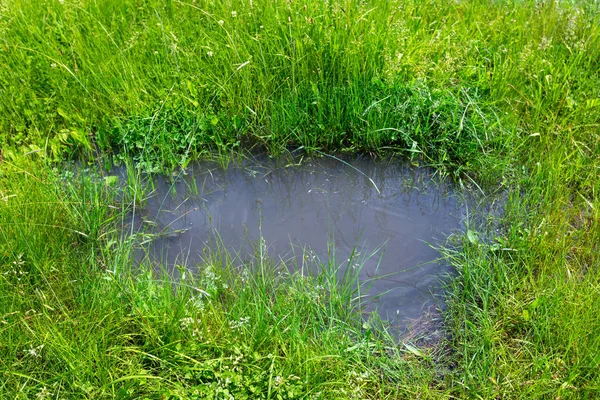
81,321
139,80
503,94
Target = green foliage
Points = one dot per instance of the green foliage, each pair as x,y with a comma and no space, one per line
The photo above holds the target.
166,82
78,321
506,94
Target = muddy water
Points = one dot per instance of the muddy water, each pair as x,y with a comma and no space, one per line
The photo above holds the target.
301,210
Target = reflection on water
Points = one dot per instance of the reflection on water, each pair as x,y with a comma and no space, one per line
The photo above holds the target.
308,206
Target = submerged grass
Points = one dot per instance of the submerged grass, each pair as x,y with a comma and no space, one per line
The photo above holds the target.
506,94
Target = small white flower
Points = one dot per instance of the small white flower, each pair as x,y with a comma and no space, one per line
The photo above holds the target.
198,302
186,322
234,325
221,22
245,275
233,14
544,43
19,262
209,53
35,351
53,65
44,393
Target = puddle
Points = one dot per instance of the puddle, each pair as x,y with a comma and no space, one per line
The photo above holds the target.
305,207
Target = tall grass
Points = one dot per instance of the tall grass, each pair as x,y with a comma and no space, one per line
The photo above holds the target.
524,310
170,81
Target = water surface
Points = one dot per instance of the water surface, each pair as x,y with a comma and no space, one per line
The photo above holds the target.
302,209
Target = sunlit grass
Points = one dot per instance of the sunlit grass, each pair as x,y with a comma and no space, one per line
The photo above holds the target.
504,95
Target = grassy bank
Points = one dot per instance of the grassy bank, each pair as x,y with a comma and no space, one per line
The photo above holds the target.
503,94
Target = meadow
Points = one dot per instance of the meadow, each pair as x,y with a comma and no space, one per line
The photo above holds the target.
500,96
